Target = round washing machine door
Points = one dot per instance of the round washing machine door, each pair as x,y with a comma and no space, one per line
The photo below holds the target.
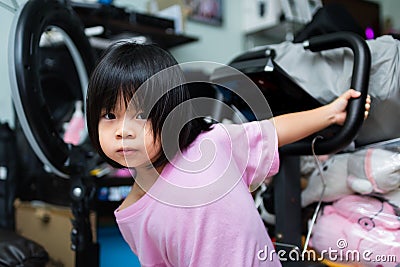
49,58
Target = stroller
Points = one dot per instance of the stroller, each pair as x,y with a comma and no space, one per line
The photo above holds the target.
299,76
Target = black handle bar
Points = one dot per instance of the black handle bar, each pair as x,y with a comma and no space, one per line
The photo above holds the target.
356,107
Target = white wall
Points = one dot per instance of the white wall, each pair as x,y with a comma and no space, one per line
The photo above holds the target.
390,8
222,44
216,43
6,108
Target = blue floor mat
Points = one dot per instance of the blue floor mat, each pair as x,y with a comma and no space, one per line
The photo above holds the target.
114,251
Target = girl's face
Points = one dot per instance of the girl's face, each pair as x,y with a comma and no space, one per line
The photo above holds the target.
126,137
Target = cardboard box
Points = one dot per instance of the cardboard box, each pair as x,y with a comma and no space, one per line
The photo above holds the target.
50,226
176,10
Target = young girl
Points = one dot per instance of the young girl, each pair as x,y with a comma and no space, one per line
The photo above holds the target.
190,204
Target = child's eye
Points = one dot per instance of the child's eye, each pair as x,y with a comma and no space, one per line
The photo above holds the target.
109,116
141,116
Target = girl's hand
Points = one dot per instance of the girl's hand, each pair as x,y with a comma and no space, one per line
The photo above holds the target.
339,106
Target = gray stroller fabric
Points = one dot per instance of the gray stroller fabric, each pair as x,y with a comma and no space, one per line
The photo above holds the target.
327,74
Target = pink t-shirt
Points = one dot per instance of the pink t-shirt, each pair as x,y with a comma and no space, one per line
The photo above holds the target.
200,211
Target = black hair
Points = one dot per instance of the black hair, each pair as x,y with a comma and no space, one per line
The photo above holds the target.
151,77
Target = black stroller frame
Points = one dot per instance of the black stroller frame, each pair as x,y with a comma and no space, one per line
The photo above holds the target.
286,184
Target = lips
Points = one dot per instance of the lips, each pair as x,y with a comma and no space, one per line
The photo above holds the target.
126,151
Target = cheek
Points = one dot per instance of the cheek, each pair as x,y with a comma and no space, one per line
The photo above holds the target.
102,143
103,137
152,148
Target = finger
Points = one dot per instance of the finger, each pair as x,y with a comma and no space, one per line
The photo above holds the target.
351,93
367,106
368,100
366,113
355,93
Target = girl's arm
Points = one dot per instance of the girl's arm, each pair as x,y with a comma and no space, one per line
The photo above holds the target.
295,126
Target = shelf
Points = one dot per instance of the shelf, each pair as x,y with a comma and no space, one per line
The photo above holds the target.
117,24
278,31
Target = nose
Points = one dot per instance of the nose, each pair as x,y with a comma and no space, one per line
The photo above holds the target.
123,131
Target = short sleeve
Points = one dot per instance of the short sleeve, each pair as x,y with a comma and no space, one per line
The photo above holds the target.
255,150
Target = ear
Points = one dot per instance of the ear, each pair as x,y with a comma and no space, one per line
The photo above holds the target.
359,185
385,169
388,218
327,210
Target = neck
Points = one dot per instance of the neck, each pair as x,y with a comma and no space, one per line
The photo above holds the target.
146,177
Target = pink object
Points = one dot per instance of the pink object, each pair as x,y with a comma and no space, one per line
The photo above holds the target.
366,171
125,173
76,126
359,226
187,226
